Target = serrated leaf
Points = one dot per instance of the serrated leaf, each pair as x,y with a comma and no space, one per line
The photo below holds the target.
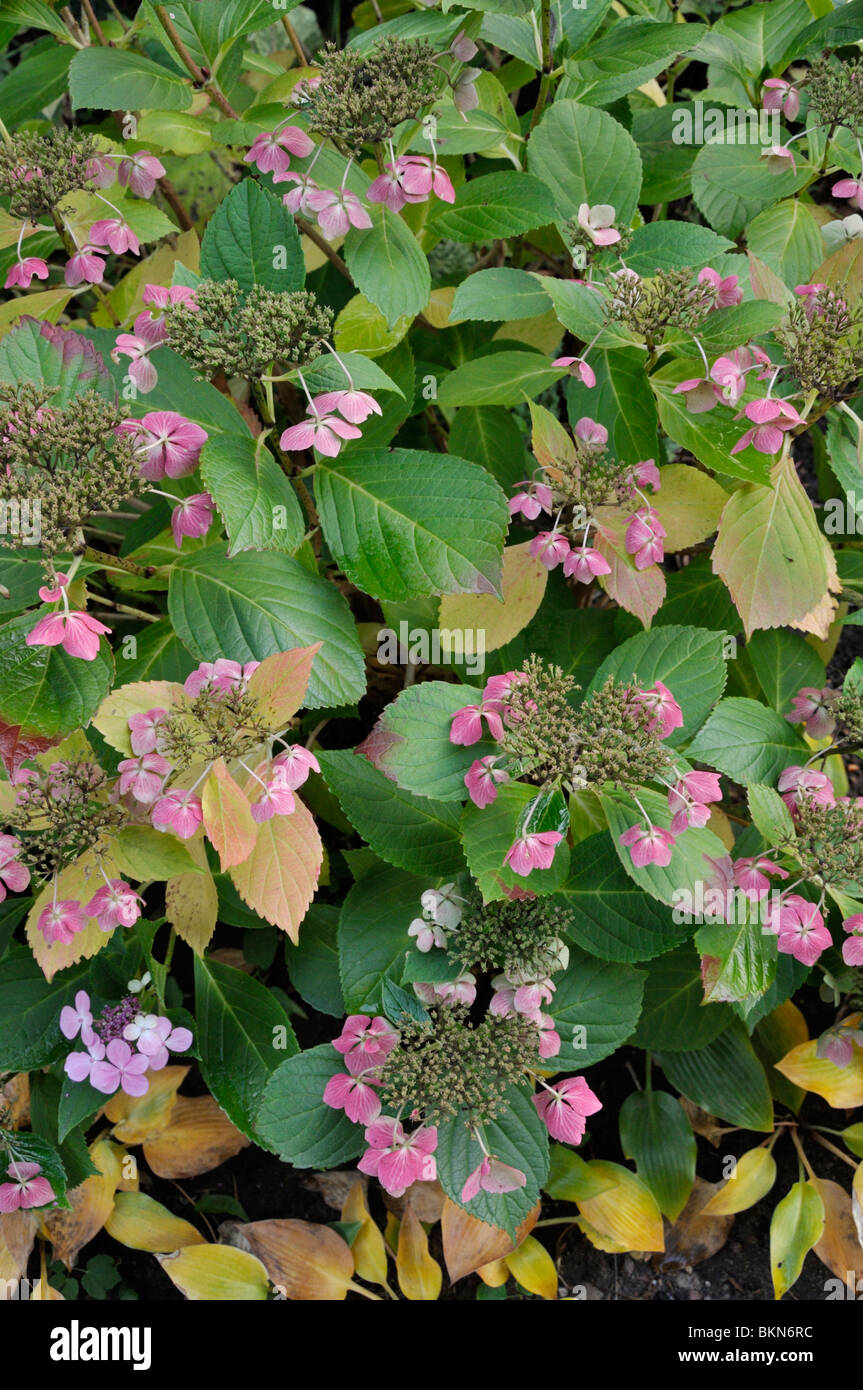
249,237
256,501
495,205
293,1119
387,265
561,152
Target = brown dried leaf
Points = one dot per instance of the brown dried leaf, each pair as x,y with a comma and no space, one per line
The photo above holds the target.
199,1137
15,1096
305,1261
704,1124
838,1248
336,1186
426,1198
17,1237
469,1243
92,1204
693,1237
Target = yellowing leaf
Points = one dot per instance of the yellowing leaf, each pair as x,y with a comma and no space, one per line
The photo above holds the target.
770,553
304,1260
91,1205
523,585
112,716
754,1175
420,1275
42,304
551,444
144,1224
839,1086
17,1237
689,504
438,309
839,1247
469,1244
79,881
279,684
217,1273
279,878
227,817
599,1240
199,1137
796,1226
192,901
626,1212
136,1118
695,1236
494,1274
368,1248
534,1268
641,592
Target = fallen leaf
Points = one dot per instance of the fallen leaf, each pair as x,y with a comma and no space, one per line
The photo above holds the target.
839,1247
532,1265
420,1275
695,1236
305,1261
136,1118
144,1224
368,1246
217,1273
426,1198
469,1243
91,1205
839,1086
199,1137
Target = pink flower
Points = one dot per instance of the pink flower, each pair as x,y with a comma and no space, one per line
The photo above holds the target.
666,712
849,188
218,677
549,547
13,875
644,536
139,172
276,799
271,152
771,417
533,851
297,200
171,444
143,777
85,265
101,170
549,1038
26,1189
481,780
729,379
648,844
150,326
322,432
115,905
193,516
727,291
778,159
700,394
77,1019
22,272
122,1068
365,1042
646,474
355,406
144,730
688,800
387,188
155,1035
590,432
802,933
61,921
578,368
565,1106
355,1095
338,211
116,234
811,294
295,764
421,177
180,811
141,370
537,498
796,781
428,934
492,1176
585,564
77,633
459,991
597,222
78,1065
750,875
397,1159
779,95
812,708
852,949
466,727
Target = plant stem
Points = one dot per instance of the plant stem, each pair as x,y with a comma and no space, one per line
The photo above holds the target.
296,44
175,203
114,562
846,1158
207,83
95,25
547,63
322,244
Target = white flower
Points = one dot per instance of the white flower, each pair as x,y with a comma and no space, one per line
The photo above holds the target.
427,934
136,986
441,906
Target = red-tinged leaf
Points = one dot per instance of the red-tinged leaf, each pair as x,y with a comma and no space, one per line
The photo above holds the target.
79,881
16,745
279,684
279,878
228,817
551,444
640,592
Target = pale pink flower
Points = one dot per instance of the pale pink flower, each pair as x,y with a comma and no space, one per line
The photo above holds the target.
77,633
688,800
150,326
322,432
22,272
338,211
727,291
771,418
565,1106
355,1095
355,406
427,934
549,1038
811,707
365,1042
121,1068
729,379
481,780
577,367
585,564
646,474
116,234
271,152
61,921
77,1019
466,727
141,370
549,547
800,927
849,188
144,730
779,158
193,516
180,811
154,1035
388,189
218,677
700,394
533,851
295,764
115,904
664,709
79,1065
597,222
492,1176
398,1159
852,949
422,177
796,781
13,875
142,777
101,170
463,48
644,537
648,844
85,266
591,432
170,444
779,95
537,498
297,199
276,799
24,1188
461,990
139,172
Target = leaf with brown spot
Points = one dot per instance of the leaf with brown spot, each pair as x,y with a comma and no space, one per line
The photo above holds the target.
310,1262
91,1205
136,1118
839,1247
703,1123
199,1137
469,1243
695,1237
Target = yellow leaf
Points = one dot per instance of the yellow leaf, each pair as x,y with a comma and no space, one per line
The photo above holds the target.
192,901
279,878
112,716
369,1248
494,1274
304,1260
199,1137
17,1237
144,1224
839,1086
79,881
551,444
754,1175
44,304
523,587
439,307
227,817
52,1295
534,1268
689,505
600,1241
796,1226
857,1201
279,684
626,1212
136,1118
420,1275
217,1273
92,1202
542,332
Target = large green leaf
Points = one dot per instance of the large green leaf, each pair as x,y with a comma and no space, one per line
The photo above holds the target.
253,239
495,205
674,245
689,660
410,743
655,1132
787,238
406,523
725,1078
313,963
500,378
748,741
687,867
626,56
257,605
256,501
608,915
34,84
44,690
54,357
731,183
784,661
518,1138
489,831
738,960
373,934
499,296
112,79
242,1033
30,1009
674,1017
562,151
293,1119
388,266
622,401
595,1009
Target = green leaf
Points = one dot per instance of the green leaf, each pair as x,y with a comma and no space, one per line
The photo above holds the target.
34,84
30,1009
625,57
787,238
621,400
159,655
57,358
313,964
689,660
674,1017
608,915
499,296
562,152
144,854
201,402
79,1104
796,1225
518,1138
687,867
406,523
255,499
489,435
495,205
725,1078
656,1134
738,959
253,239
410,742
501,378
373,934
578,307
112,79
293,1119
784,662
595,1009
748,741
412,832
674,245
731,183
243,1033
261,604
45,690
387,265
709,437
769,813
489,831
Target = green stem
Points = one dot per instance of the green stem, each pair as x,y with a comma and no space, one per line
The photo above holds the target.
547,63
208,84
